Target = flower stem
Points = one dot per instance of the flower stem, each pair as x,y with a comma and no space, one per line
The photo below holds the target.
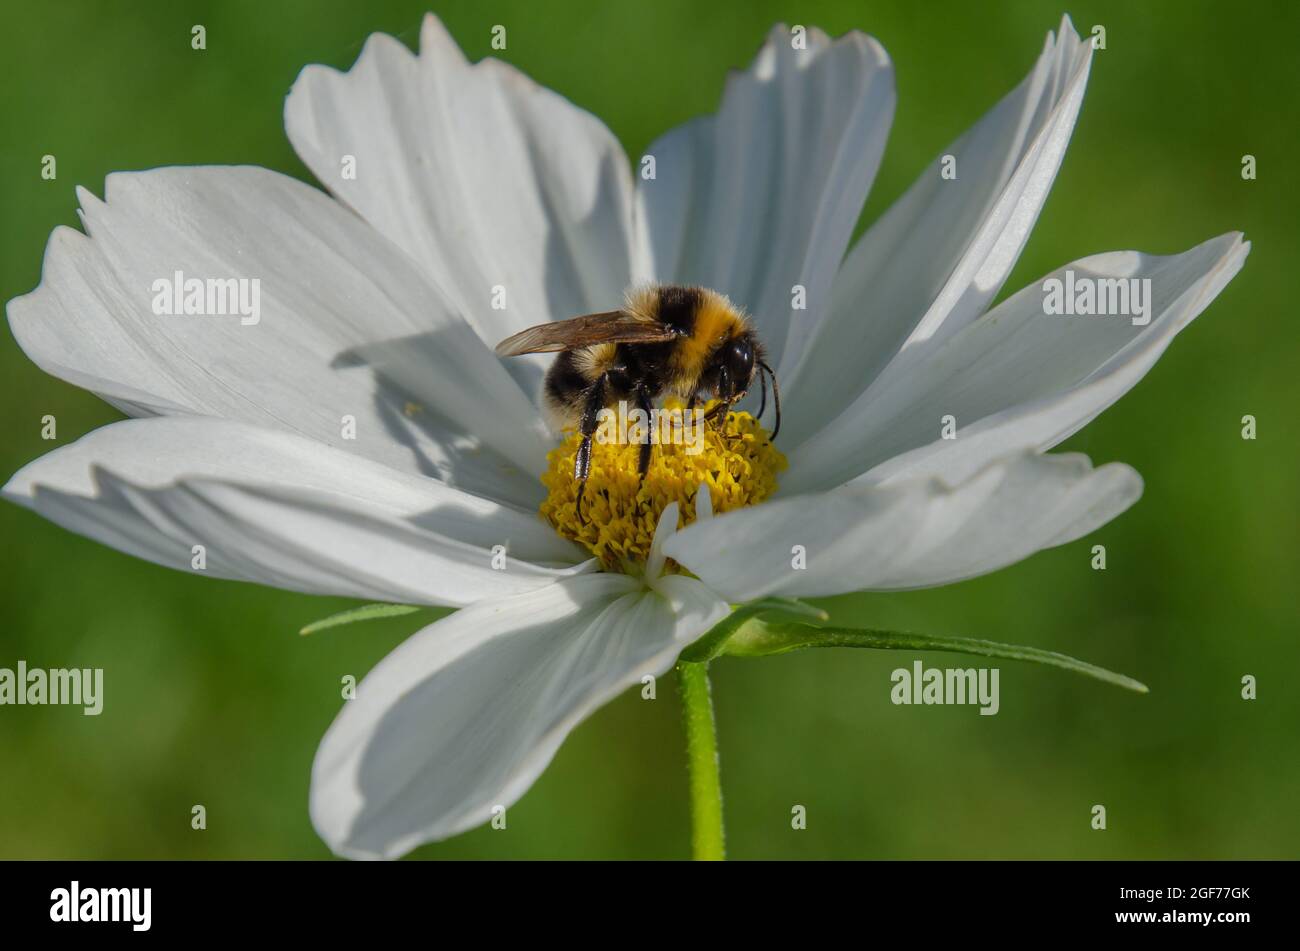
707,839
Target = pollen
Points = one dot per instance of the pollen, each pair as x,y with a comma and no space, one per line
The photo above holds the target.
735,460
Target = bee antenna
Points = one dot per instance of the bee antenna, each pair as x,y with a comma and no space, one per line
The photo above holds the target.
776,397
762,394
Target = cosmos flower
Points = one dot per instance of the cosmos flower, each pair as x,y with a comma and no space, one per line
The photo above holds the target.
360,438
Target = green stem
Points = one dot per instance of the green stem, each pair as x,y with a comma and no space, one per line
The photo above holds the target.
707,840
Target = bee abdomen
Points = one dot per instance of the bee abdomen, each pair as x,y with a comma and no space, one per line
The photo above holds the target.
569,380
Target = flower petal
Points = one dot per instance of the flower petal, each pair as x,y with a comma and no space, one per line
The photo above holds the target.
913,535
1016,378
282,510
346,328
468,712
939,255
483,177
764,195
664,530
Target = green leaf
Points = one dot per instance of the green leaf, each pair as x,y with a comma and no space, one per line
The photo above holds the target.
367,612
755,637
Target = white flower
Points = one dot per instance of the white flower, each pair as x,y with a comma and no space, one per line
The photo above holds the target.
376,319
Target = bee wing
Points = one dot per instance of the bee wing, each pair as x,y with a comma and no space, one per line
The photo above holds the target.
615,326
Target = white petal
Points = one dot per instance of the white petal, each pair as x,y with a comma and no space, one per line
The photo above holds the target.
468,712
348,327
916,534
664,529
282,510
940,254
703,502
1017,377
764,195
485,178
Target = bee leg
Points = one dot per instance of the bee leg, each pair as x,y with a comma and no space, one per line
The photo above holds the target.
719,412
582,487
594,402
647,447
692,405
718,415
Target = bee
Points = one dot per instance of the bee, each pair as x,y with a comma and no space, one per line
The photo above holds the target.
689,342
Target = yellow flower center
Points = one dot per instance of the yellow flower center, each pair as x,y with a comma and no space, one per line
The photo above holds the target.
620,509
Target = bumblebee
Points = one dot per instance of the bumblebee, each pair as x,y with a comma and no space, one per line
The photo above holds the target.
689,342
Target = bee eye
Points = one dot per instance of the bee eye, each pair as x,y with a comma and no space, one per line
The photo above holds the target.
735,366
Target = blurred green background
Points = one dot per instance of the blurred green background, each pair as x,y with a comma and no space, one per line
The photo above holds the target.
213,698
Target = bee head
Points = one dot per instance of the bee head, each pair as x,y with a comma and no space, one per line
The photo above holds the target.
732,368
